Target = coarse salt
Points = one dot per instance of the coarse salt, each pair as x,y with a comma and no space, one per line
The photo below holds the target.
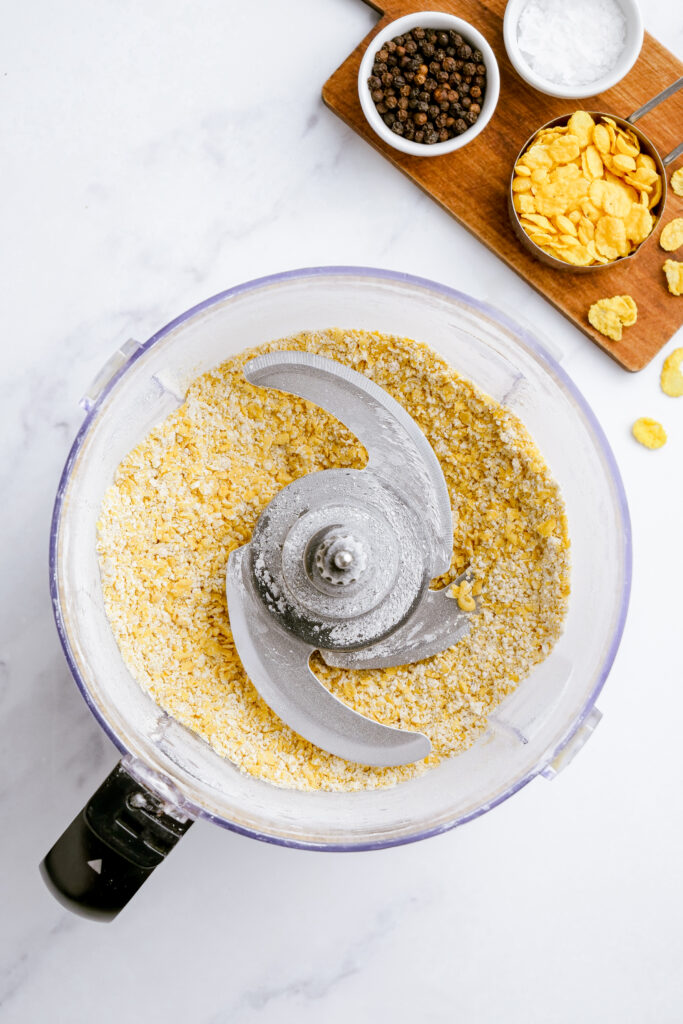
573,43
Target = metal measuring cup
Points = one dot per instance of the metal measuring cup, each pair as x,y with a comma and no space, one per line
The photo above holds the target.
646,146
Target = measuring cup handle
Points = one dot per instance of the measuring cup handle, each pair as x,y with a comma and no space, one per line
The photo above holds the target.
655,101
111,847
673,154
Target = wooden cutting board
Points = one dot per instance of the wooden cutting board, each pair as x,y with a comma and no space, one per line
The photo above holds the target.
472,183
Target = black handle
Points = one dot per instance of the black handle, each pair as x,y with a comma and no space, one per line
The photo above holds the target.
111,847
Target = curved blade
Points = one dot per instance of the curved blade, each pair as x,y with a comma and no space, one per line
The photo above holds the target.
398,452
277,664
436,623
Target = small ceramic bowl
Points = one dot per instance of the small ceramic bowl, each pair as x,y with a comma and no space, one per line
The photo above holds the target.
629,55
437,20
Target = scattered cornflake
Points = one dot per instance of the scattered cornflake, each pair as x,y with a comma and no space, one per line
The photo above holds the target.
192,491
672,235
674,276
463,594
672,373
649,432
677,181
609,315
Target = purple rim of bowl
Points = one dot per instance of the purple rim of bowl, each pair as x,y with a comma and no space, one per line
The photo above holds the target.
555,371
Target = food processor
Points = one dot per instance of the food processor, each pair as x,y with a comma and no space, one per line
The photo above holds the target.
168,776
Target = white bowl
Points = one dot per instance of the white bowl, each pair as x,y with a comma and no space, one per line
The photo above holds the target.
629,55
429,19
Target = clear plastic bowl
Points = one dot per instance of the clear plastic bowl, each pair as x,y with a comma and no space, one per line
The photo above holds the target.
527,732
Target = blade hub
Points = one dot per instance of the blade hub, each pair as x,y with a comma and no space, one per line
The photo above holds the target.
339,516
340,558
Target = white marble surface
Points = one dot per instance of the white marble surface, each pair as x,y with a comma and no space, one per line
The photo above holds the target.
152,154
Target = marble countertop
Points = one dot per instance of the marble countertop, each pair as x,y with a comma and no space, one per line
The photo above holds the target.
153,154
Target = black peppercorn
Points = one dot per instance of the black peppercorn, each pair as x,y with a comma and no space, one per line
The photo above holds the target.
426,84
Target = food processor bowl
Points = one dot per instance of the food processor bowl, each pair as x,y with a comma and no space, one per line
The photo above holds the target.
534,731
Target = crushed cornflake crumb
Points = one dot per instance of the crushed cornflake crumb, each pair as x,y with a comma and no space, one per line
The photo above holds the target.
192,492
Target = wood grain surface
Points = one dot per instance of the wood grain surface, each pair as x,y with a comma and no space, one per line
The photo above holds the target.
472,183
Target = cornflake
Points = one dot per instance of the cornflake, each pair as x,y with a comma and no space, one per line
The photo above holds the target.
608,316
672,374
672,234
649,433
677,181
674,276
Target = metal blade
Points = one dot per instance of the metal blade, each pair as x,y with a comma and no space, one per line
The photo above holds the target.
436,623
277,664
398,452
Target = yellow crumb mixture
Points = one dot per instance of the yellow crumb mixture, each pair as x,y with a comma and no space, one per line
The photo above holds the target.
192,491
